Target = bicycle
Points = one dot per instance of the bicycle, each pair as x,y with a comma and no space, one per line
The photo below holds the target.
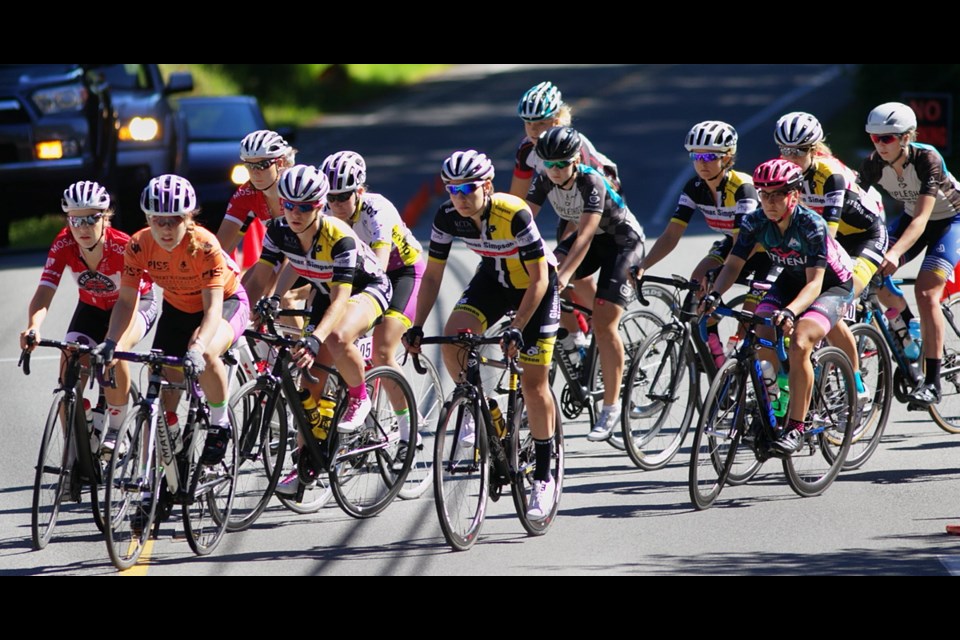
150,471
737,409
361,467
69,459
665,374
501,455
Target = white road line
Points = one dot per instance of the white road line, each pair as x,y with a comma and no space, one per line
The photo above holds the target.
32,359
669,201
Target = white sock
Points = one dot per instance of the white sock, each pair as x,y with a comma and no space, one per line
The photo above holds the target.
116,416
403,420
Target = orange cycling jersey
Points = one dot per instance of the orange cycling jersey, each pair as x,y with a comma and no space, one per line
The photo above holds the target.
182,275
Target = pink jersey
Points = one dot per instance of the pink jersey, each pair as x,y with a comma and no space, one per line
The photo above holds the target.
100,288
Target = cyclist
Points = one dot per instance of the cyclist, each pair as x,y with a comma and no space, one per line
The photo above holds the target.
517,272
809,296
724,197
352,292
854,216
93,250
608,239
377,223
916,175
205,309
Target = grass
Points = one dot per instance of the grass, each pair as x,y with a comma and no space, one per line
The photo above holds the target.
35,232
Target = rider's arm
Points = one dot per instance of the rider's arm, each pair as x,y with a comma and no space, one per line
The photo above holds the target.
288,277
921,215
429,290
835,195
664,245
39,306
520,186
534,257
229,234
257,279
333,317
212,315
729,274
122,314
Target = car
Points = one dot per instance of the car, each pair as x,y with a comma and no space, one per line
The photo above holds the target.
215,126
59,123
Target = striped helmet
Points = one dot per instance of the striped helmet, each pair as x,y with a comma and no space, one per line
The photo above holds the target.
777,174
303,184
798,129
559,143
540,102
85,195
467,165
263,144
168,195
713,135
345,171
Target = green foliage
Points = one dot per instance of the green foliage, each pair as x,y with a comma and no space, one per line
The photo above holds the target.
35,232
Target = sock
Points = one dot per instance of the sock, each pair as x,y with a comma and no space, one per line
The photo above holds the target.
611,409
795,424
359,393
933,372
543,450
859,379
403,421
116,416
218,414
907,315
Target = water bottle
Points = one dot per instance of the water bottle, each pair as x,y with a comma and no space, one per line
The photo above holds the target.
769,373
327,408
899,328
174,432
92,427
498,422
915,333
313,415
569,344
716,349
732,343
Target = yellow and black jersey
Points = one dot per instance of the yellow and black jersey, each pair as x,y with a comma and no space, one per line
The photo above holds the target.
507,238
830,188
734,198
336,256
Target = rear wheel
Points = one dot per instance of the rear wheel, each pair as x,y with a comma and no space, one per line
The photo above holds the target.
428,391
876,369
523,464
947,413
212,489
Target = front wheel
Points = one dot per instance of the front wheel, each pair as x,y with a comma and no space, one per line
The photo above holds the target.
460,472
947,413
51,479
523,461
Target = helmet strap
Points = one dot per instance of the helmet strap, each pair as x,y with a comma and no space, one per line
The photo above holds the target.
99,240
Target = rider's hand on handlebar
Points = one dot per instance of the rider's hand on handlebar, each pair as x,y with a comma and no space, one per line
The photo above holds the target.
307,354
710,302
412,338
29,340
786,320
890,264
511,341
267,308
104,351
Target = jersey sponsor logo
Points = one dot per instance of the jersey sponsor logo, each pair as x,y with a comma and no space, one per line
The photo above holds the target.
133,272
135,247
62,244
50,263
211,274
96,283
942,249
594,198
184,267
158,265
794,243
533,351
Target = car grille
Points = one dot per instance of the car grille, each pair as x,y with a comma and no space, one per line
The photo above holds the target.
12,113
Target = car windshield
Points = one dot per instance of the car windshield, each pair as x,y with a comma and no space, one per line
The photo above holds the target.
219,121
16,73
129,77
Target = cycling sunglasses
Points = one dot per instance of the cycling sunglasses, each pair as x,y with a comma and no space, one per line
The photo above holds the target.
557,164
263,165
166,221
339,197
464,189
794,151
706,157
886,138
84,221
296,206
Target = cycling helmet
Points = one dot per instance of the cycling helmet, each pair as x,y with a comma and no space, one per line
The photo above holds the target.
345,171
891,117
558,143
263,144
467,165
798,129
85,195
304,184
713,135
168,195
775,174
540,102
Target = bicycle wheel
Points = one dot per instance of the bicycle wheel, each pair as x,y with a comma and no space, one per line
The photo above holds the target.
947,413
428,390
262,444
718,434
133,490
460,471
661,299
876,369
363,475
523,462
51,479
659,399
212,489
812,469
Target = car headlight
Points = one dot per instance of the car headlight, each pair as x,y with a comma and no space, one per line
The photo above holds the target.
140,130
240,175
60,99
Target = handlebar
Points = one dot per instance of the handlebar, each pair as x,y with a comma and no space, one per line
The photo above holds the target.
464,339
25,354
676,281
749,318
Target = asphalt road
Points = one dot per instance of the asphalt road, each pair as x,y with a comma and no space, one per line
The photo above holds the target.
887,518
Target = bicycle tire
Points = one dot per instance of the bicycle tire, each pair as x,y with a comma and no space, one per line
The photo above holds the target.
876,368
212,489
50,474
461,473
428,391
522,458
362,475
811,470
946,414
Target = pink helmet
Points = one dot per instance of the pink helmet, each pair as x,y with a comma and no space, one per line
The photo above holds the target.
776,174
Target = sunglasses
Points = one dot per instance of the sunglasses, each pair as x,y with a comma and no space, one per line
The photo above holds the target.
166,221
263,165
706,157
794,151
302,208
887,138
557,164
464,189
780,194
84,221
339,197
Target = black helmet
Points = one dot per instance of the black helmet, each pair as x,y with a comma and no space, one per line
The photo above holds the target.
558,143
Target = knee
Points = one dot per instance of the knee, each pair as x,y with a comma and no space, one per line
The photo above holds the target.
383,355
337,343
929,297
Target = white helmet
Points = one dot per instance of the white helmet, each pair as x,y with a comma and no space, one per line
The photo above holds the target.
263,144
303,184
891,117
467,165
714,135
798,129
168,195
85,195
540,102
345,171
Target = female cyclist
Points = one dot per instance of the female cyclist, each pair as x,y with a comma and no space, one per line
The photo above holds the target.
205,310
377,223
916,175
93,251
608,239
517,272
809,296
